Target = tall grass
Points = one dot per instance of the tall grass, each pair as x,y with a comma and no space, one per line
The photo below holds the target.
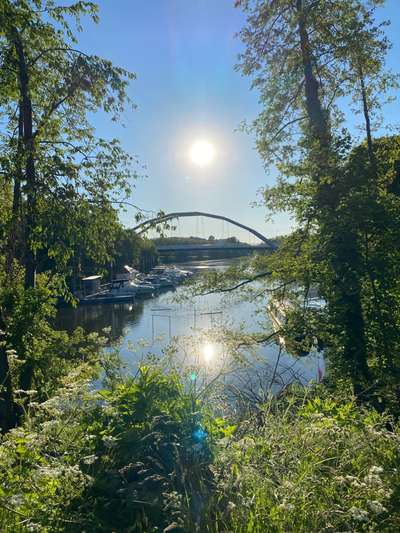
309,463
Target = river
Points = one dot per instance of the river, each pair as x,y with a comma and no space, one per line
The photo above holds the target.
196,328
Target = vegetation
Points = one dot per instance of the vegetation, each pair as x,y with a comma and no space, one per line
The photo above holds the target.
191,240
304,58
86,448
314,464
130,249
60,181
147,454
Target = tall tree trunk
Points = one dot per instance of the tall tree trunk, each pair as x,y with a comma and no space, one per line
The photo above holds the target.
316,114
364,97
13,236
29,148
30,183
348,293
8,412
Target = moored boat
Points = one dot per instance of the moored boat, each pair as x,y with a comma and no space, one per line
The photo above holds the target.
302,341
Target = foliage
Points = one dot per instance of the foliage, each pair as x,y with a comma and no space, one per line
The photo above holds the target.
304,57
48,355
41,462
133,250
61,179
144,455
313,464
341,37
151,452
133,457
56,159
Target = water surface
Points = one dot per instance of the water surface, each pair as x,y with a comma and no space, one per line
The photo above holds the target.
150,325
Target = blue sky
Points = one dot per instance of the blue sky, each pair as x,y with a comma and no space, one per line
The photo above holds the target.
184,52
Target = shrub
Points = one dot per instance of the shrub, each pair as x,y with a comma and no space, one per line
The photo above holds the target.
314,464
134,457
154,446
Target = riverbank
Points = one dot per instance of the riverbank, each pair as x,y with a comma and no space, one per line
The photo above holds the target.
153,453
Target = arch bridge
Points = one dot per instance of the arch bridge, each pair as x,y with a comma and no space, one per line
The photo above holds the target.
150,223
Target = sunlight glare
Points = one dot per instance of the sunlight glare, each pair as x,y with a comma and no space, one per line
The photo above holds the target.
202,153
208,352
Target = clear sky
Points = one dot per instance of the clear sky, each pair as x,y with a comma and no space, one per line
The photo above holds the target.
184,52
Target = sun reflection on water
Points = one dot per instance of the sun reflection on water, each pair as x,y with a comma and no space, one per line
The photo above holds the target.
208,352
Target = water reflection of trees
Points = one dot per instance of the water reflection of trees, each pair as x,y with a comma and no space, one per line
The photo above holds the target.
94,318
203,255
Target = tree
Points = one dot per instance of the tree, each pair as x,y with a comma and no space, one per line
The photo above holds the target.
302,58
53,163
54,86
133,250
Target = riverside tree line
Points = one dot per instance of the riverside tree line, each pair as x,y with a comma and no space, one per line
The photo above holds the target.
156,451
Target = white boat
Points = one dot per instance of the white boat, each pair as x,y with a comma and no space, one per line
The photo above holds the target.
143,287
171,271
129,274
160,282
126,287
303,342
133,282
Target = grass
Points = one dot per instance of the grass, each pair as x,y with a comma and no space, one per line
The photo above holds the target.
310,464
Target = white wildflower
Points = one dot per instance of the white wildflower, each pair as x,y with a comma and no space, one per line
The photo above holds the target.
110,441
32,526
359,514
373,480
12,355
384,492
230,507
49,425
89,459
376,470
286,506
376,507
47,471
16,500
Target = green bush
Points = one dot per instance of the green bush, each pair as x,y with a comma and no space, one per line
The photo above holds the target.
40,462
313,464
134,457
153,446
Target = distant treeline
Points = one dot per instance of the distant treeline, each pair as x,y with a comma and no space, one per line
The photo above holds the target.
168,241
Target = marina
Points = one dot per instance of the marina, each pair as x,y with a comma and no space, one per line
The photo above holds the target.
131,284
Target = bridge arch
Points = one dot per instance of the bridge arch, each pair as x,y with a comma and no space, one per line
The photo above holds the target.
145,225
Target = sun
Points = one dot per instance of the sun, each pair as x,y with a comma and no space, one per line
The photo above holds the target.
202,153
